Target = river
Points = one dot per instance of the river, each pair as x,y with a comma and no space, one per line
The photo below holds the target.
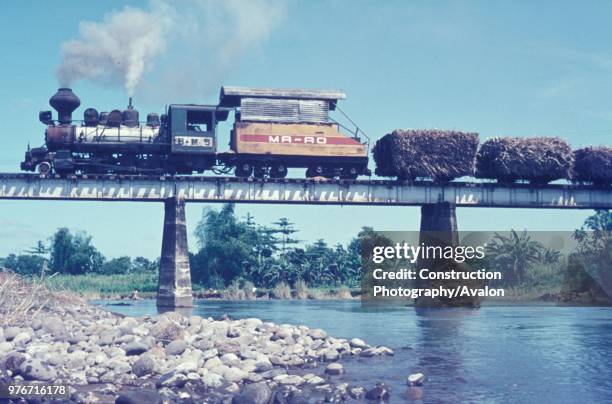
493,354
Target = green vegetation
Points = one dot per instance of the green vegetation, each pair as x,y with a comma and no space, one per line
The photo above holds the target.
240,259
234,255
100,285
233,250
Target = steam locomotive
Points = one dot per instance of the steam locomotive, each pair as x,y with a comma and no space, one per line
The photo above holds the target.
273,130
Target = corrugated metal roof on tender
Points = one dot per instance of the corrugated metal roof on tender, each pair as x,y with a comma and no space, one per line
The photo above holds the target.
230,96
285,110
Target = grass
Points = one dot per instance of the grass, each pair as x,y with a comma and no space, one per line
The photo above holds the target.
93,286
21,300
97,286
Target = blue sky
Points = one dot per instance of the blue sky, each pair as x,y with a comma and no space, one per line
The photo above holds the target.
498,68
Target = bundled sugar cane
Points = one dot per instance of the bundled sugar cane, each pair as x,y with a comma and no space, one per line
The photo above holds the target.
426,153
593,164
537,159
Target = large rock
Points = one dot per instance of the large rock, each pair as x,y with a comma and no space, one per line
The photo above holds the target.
167,330
34,369
256,393
176,347
234,375
143,366
317,333
416,379
11,332
358,343
53,325
12,362
334,369
172,379
139,397
136,348
187,367
212,380
380,392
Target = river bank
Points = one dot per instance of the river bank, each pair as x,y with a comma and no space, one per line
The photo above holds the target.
106,357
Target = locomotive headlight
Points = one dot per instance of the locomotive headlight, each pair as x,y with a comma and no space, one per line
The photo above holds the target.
45,117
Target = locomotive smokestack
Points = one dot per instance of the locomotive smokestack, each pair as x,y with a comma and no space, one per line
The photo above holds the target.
130,116
64,102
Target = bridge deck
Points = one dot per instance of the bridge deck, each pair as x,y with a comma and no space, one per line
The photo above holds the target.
300,191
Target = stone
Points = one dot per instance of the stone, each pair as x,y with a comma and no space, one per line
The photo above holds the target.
12,362
289,380
34,369
135,348
186,367
53,325
317,333
230,359
380,392
167,330
358,343
176,347
143,366
209,353
172,379
124,339
36,324
21,338
234,375
270,374
316,380
256,393
212,380
11,332
6,346
213,363
138,397
233,332
331,355
357,392
416,379
334,369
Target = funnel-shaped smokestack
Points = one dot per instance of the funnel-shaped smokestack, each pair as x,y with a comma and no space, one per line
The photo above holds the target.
64,102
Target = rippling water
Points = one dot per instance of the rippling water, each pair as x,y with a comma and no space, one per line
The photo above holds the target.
494,354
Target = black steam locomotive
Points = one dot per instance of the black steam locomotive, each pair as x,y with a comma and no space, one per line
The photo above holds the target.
274,130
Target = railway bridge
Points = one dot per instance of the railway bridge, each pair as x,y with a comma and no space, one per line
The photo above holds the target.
438,203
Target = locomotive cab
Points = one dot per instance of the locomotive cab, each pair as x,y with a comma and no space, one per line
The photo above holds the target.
193,128
192,131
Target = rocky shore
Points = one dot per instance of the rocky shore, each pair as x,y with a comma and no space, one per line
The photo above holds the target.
173,358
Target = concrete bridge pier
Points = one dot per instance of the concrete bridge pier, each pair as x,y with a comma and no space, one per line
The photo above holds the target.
439,228
174,287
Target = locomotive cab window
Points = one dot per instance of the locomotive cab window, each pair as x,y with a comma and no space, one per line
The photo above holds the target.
200,121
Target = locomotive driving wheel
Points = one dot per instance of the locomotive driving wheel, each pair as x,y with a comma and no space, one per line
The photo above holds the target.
278,171
44,168
243,169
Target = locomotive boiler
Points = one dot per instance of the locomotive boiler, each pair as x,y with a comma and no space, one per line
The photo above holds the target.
274,130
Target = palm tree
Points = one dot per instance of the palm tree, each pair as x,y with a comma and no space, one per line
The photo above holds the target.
515,253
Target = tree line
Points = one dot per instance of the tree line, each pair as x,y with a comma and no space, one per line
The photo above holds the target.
232,249
229,249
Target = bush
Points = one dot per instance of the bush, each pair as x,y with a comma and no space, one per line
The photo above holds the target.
234,291
301,289
281,291
249,290
343,293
